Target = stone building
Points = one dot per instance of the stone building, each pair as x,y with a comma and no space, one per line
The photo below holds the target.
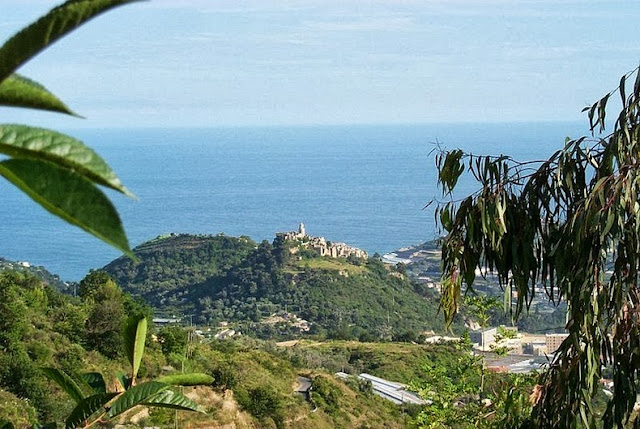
321,245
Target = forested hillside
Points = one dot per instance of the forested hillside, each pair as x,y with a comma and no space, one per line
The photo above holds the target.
221,278
253,380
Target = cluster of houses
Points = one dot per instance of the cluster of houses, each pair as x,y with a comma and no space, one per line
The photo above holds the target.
523,352
290,319
536,345
320,244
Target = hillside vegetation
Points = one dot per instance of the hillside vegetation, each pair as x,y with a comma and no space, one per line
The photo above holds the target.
221,278
254,381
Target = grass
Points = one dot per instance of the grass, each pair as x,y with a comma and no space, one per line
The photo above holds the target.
326,263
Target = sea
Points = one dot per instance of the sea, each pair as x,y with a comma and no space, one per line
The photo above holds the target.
365,185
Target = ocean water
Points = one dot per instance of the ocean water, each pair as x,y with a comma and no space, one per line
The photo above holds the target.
363,185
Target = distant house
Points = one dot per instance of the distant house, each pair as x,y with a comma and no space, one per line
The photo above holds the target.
483,339
162,321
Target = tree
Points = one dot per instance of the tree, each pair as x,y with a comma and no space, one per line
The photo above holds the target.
92,283
173,339
57,171
570,224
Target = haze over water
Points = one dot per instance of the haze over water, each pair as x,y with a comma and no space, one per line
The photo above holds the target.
363,185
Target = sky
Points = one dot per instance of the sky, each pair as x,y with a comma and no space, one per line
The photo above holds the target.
185,63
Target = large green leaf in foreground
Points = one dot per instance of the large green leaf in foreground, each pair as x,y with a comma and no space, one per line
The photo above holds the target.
87,408
95,380
65,382
135,333
51,27
22,141
70,196
136,395
171,399
18,91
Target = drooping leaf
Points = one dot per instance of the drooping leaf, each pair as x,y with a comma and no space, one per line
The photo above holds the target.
67,383
85,409
18,91
171,399
59,21
135,334
96,381
22,141
69,196
192,379
136,395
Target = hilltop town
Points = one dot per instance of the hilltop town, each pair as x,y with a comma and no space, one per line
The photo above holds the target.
319,244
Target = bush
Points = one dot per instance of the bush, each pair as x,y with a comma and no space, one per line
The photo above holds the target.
262,402
326,395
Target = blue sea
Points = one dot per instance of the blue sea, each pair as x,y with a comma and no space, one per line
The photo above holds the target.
363,185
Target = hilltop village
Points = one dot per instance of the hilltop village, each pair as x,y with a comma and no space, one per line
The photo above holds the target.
319,244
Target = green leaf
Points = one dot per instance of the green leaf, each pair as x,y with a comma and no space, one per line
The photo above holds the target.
192,379
65,382
135,334
70,196
21,141
171,399
59,21
136,395
18,91
87,408
95,381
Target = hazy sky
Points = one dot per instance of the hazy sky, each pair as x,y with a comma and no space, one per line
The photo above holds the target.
233,62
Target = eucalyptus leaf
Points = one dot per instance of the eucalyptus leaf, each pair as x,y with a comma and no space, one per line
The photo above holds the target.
569,224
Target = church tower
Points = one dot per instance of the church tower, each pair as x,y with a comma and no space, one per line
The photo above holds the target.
301,230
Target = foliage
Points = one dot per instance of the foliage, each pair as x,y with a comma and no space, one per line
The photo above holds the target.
262,402
561,223
481,306
464,395
100,404
326,395
37,271
57,171
173,339
222,278
19,412
105,319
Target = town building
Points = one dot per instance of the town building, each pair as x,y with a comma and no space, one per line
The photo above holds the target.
554,341
320,244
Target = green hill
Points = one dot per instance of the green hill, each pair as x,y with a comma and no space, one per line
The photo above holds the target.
35,270
221,278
